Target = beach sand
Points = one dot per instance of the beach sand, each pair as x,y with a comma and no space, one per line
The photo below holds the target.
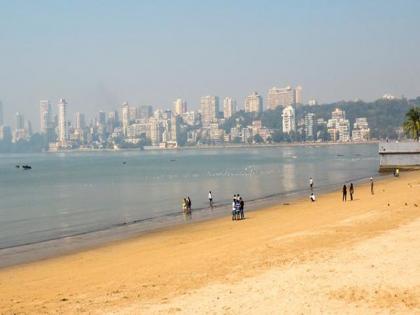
357,257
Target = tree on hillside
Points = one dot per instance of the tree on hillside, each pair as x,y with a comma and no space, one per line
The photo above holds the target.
412,123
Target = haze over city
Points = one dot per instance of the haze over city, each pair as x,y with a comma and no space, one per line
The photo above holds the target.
99,54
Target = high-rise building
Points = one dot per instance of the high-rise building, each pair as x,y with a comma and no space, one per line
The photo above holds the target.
309,126
283,97
132,114
6,133
155,131
45,116
125,117
102,118
180,106
20,121
229,107
145,111
62,122
254,103
1,114
29,127
112,121
209,109
298,95
289,119
80,121
175,128
113,116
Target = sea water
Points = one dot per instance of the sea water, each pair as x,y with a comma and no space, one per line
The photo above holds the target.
77,193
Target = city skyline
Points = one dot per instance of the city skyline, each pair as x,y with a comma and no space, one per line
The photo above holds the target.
40,121
154,53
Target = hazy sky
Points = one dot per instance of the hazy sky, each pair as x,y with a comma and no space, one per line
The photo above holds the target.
97,54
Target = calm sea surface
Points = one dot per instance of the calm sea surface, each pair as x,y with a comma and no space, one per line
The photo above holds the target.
70,194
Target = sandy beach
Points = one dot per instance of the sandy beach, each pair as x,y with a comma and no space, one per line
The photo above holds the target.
354,257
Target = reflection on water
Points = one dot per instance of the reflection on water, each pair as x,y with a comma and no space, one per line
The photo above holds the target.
289,178
187,216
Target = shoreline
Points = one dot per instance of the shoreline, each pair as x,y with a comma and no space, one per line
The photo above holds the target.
209,147
56,247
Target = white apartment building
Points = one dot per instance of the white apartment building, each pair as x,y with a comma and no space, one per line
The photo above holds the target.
289,119
361,131
338,126
62,122
125,117
309,122
343,128
229,107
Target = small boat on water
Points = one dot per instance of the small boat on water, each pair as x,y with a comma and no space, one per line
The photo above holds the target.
26,167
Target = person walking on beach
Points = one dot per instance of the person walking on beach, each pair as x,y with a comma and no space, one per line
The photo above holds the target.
210,199
234,208
189,203
344,193
371,186
351,190
241,207
311,183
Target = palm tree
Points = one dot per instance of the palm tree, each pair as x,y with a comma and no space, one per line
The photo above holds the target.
412,123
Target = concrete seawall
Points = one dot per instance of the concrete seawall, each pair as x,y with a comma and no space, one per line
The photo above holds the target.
401,155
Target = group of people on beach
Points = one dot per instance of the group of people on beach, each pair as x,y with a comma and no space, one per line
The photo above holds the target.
238,205
351,191
344,190
186,205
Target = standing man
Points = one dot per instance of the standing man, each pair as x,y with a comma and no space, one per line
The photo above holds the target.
371,186
242,205
311,183
351,190
210,199
189,204
344,193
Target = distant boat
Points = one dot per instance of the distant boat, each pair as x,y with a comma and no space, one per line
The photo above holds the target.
26,167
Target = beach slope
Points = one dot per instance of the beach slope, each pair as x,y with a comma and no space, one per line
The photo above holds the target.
330,256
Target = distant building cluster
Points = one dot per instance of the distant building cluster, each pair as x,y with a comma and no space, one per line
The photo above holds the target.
133,126
339,127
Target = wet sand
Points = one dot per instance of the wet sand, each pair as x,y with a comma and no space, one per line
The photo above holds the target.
323,257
